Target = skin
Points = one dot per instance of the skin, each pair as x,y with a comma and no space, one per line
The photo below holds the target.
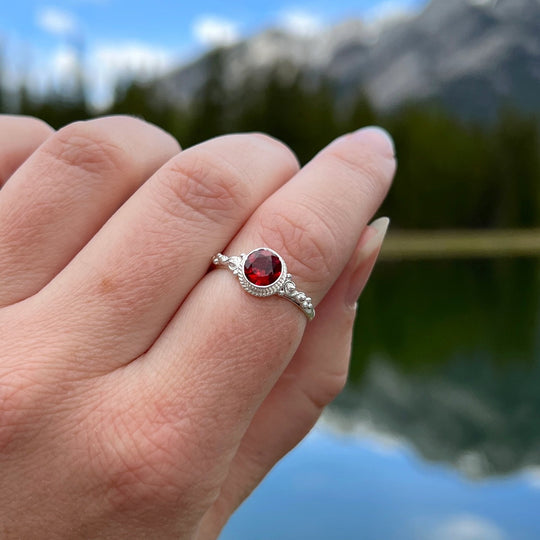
141,395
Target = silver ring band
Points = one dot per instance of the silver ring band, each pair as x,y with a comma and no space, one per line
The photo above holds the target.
263,272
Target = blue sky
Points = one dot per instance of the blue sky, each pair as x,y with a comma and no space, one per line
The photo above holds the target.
146,38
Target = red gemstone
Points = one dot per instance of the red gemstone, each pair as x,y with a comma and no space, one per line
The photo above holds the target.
262,267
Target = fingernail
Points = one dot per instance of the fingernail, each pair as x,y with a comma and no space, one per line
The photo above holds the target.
365,260
375,242
377,138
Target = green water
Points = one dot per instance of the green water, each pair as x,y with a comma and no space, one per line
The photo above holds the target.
446,356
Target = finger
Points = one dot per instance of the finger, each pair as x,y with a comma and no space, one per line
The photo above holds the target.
60,197
316,374
132,277
224,350
19,137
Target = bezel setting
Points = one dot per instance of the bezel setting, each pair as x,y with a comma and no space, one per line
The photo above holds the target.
261,290
284,285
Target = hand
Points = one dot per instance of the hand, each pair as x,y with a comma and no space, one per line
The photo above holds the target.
142,396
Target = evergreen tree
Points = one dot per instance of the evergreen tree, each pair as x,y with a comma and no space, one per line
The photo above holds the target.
209,110
450,174
515,171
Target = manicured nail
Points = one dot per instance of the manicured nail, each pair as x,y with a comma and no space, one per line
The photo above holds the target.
377,138
375,242
365,260
373,136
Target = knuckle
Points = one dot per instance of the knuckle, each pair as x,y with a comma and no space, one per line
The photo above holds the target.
39,128
285,155
26,134
89,147
306,237
208,185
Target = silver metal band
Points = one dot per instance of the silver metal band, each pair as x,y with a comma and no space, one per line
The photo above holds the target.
283,286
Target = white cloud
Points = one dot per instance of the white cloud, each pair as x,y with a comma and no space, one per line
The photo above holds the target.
213,31
362,429
389,11
103,66
109,63
532,475
64,63
137,58
56,21
301,22
466,527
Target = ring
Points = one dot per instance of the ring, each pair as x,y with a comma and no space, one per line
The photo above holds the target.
263,272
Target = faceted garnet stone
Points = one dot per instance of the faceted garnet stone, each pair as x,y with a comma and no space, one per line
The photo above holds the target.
262,267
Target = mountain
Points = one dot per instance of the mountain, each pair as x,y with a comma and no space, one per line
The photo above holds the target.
470,55
481,421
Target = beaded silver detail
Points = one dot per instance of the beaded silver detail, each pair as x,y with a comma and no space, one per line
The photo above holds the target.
284,286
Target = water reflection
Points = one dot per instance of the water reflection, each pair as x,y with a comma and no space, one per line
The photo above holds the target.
446,357
445,379
347,487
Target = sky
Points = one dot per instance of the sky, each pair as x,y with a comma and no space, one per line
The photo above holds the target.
146,38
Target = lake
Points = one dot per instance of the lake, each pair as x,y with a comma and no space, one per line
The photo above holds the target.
437,435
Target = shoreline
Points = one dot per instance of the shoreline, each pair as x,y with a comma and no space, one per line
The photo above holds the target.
464,243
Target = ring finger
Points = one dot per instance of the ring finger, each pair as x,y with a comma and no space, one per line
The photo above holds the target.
134,274
314,222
